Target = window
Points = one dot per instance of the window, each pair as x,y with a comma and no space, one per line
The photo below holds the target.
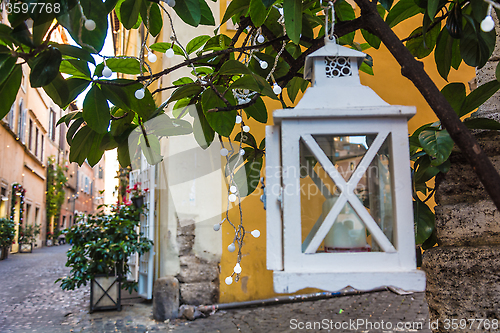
42,139
36,141
30,135
62,136
87,185
101,172
27,215
21,125
10,116
52,125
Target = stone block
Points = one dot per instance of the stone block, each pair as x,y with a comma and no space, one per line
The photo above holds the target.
185,244
465,224
194,269
166,298
199,293
185,227
462,283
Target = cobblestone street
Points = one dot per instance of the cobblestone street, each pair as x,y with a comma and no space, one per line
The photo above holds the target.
31,302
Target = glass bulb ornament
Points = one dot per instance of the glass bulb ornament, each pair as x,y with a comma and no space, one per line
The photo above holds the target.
90,25
232,197
169,53
170,3
246,128
224,152
107,72
238,119
152,57
260,39
237,268
487,24
255,233
217,227
233,189
228,280
231,247
263,64
139,93
242,152
276,89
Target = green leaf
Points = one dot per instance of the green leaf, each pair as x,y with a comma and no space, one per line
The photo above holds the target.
455,95
155,21
163,47
207,18
476,46
293,19
258,111
96,111
221,122
247,178
216,43
482,123
386,4
373,40
123,155
438,144
7,64
75,67
189,90
293,88
421,47
129,12
81,145
75,52
45,67
255,83
235,7
233,67
151,149
401,11
444,53
9,89
67,118
247,139
478,96
95,153
345,12
75,126
121,93
433,6
126,66
189,11
258,12
195,43
424,220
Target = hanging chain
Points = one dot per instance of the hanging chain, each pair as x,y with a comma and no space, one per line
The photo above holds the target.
329,6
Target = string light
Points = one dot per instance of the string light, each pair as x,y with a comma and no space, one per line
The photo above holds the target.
237,268
255,233
107,72
246,128
238,119
169,53
139,93
152,57
90,24
276,89
260,39
231,247
488,23
224,151
229,280
233,189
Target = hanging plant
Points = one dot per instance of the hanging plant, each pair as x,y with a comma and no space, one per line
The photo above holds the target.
56,182
17,191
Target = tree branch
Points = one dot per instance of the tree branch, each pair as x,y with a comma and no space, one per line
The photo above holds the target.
414,71
237,107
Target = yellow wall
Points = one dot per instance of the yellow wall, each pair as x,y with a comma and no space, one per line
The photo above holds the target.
256,281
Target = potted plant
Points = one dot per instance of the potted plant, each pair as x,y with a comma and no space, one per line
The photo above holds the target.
102,244
7,234
49,241
137,195
27,236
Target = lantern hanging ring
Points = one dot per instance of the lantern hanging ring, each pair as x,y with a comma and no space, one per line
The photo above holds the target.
329,31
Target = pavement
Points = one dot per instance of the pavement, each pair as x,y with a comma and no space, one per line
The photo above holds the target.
31,302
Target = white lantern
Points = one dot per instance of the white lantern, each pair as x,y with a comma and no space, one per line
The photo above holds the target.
338,186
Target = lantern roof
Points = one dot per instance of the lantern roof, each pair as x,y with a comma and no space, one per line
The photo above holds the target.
331,49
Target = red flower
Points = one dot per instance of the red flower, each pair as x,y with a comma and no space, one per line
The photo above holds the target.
146,189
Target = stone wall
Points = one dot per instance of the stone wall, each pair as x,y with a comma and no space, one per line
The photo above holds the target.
463,273
198,277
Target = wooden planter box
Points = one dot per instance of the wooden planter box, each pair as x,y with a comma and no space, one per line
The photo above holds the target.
105,293
25,248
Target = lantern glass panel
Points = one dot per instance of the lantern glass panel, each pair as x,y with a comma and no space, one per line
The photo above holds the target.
369,185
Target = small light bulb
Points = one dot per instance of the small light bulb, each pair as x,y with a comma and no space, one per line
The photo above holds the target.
224,152
171,3
233,189
487,24
152,57
90,25
276,89
232,197
231,247
237,268
260,39
216,227
107,72
238,119
255,233
246,128
228,280
242,152
263,64
139,93
246,91
169,53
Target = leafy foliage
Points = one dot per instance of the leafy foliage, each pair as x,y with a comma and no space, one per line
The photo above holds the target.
102,244
7,232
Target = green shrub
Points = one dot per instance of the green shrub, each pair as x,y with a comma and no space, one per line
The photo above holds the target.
7,232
